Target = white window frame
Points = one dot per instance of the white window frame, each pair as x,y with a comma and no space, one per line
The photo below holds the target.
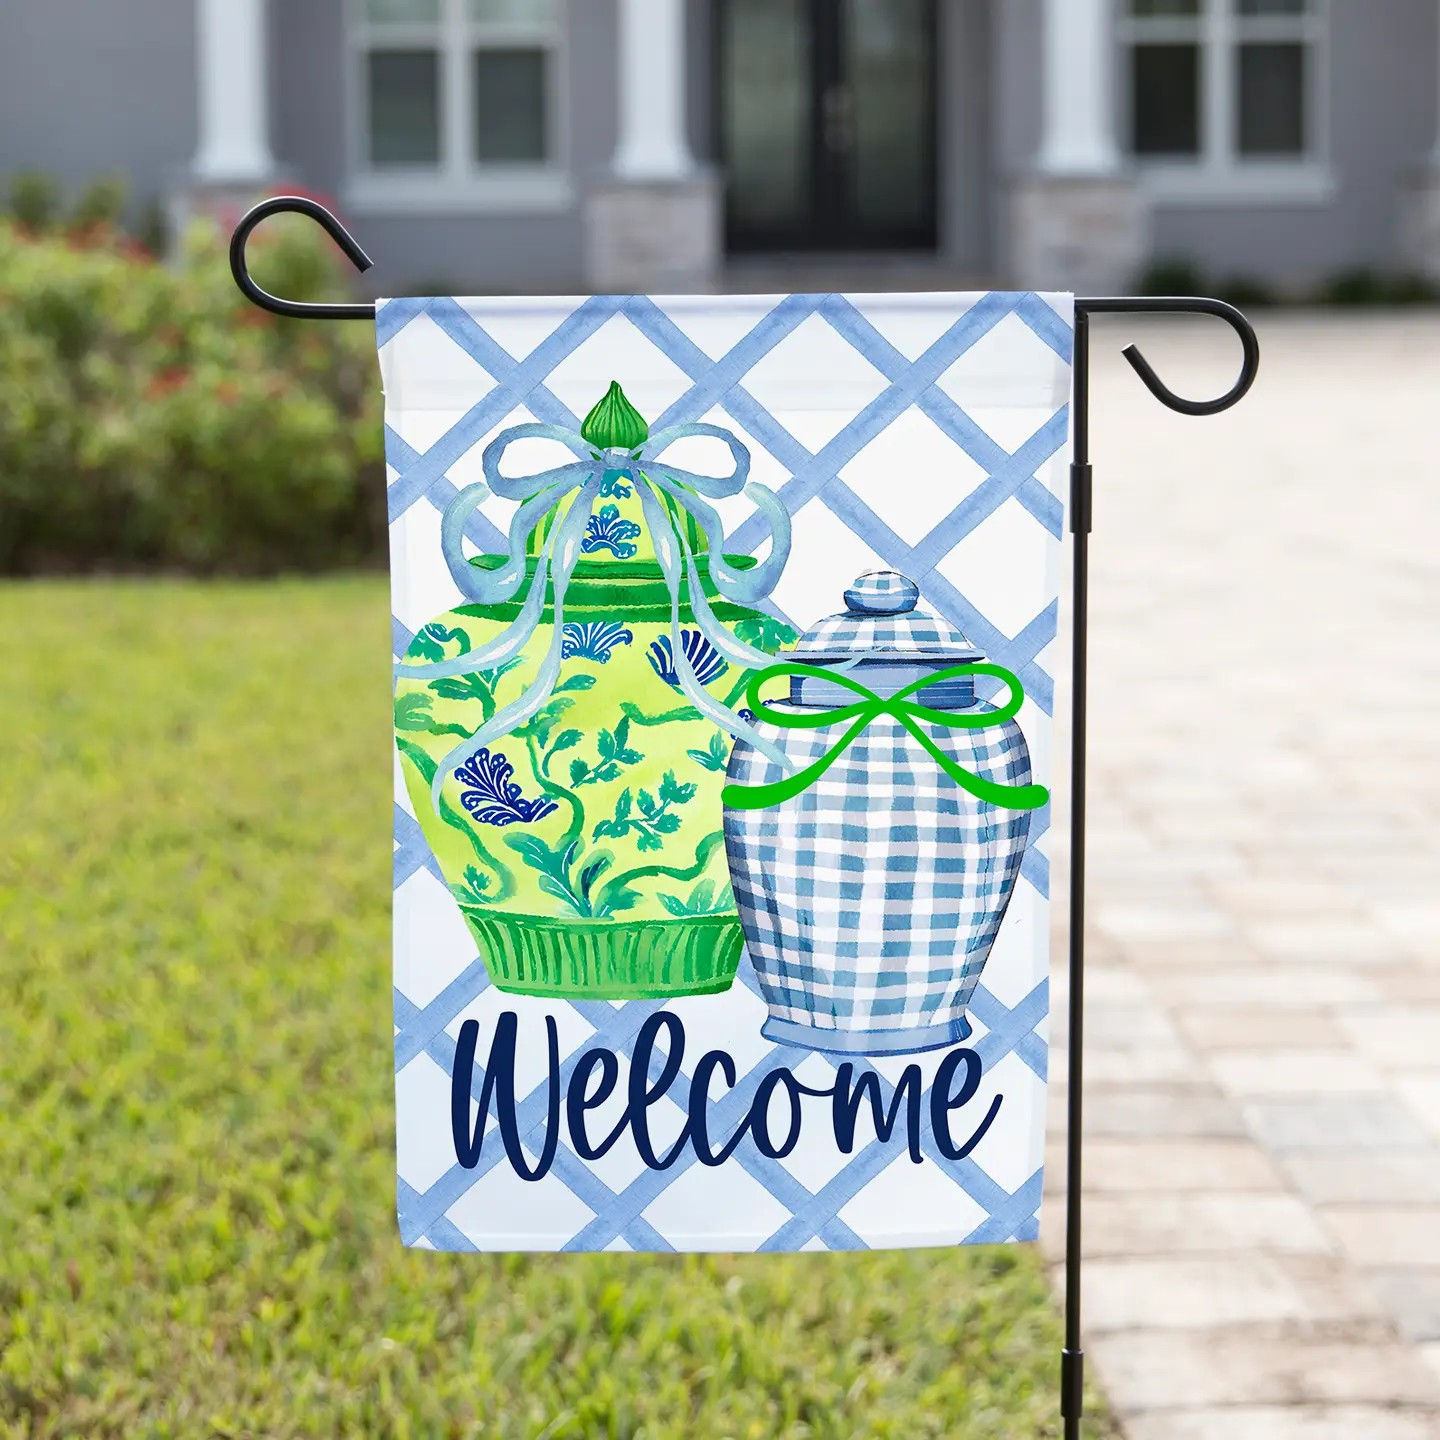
459,184
1219,173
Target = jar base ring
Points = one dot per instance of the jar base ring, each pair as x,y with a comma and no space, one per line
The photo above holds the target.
867,1042
606,960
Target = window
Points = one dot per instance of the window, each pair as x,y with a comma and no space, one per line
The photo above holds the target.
1220,85
456,98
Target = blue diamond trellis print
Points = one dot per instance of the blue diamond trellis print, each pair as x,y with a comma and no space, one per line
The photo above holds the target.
722,632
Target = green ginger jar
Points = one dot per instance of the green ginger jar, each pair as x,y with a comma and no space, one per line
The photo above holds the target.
584,844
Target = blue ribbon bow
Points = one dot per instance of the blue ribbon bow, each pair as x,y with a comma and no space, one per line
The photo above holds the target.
540,497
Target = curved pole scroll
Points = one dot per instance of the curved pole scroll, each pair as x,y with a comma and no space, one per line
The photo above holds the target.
1182,305
300,310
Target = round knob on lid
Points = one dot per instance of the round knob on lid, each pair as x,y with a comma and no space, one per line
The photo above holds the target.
882,592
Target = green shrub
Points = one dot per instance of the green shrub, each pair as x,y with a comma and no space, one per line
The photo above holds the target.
1177,275
1408,288
34,200
1172,275
1248,292
101,202
1362,286
151,417
1358,285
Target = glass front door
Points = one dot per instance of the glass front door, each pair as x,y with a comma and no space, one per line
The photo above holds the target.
828,123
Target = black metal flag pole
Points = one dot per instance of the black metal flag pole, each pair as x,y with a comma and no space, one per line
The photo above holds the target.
1072,1378
1072,1363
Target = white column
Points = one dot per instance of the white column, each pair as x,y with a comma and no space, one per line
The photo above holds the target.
234,143
1079,135
652,143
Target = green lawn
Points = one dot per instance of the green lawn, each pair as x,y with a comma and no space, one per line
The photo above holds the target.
197,1231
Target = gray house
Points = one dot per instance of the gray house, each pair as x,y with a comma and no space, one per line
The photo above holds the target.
501,145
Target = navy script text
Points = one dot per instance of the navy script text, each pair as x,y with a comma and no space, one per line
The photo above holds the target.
773,1116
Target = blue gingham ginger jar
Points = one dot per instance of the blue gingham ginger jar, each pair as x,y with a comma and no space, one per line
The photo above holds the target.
870,899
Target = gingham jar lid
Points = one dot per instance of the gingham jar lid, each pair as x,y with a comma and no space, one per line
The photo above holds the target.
881,621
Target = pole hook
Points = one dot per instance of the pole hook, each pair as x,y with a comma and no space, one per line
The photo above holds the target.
300,310
1183,305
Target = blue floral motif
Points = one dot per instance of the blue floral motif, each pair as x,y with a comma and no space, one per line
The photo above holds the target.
704,658
612,482
594,640
495,798
605,530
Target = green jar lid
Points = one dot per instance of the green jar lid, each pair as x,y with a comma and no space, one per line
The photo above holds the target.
620,587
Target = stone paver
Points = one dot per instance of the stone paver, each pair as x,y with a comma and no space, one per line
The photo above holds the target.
1261,1365
1402,1236
1263,1016
1413,1297
1352,1124
1168,1167
1289,1422
1399,1177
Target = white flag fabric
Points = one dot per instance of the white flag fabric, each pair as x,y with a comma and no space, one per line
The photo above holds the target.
723,631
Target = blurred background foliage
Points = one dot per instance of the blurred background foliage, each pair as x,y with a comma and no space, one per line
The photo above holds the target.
151,418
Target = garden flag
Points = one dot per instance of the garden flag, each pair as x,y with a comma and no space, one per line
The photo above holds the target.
723,637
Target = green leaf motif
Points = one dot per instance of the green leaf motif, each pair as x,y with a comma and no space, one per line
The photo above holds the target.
418,758
565,740
545,719
616,743
717,757
412,712
633,712
553,865
615,897
457,687
764,632
537,854
614,752
574,880
430,642
591,871
479,686
676,792
620,825
655,817
477,887
702,900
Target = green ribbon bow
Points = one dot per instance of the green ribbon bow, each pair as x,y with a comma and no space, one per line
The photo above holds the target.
869,708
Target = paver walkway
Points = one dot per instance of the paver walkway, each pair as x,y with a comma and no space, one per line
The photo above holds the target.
1263,1046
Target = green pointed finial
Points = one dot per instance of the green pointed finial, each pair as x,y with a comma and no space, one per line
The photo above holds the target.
614,423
